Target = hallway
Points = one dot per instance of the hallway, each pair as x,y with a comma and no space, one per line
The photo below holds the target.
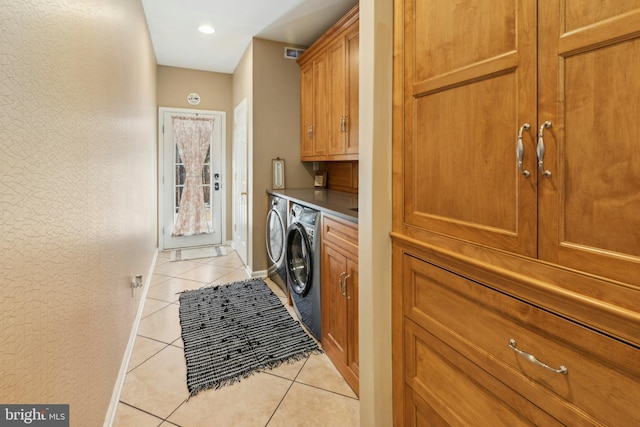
306,393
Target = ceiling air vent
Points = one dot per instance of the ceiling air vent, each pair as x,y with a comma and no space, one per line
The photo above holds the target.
292,52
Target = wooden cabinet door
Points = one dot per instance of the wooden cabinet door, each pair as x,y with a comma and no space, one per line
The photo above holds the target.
353,348
320,99
337,54
306,110
469,85
589,207
340,300
352,120
334,305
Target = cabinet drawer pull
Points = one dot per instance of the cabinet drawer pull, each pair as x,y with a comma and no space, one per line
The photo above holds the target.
531,358
344,294
520,150
540,149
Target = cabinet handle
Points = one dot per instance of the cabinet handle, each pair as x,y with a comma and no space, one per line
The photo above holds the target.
340,283
531,358
310,131
520,150
540,149
344,294
344,123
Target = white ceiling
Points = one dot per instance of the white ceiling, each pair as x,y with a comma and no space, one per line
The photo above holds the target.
173,25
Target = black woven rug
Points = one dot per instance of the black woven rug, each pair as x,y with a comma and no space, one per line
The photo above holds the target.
231,331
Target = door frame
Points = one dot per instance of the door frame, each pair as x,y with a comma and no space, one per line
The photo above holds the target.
243,252
160,168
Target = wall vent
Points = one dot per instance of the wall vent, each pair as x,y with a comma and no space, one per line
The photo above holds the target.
292,52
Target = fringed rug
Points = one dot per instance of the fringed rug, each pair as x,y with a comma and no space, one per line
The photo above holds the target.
195,253
231,331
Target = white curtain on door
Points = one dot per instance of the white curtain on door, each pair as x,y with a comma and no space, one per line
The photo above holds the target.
193,136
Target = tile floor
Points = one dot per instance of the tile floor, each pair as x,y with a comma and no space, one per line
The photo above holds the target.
310,392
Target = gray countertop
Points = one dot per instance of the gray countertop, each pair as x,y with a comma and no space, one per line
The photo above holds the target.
333,202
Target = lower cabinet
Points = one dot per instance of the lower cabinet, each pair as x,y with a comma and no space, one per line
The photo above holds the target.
468,354
340,296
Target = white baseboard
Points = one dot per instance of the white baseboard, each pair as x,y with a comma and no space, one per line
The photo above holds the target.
254,274
117,391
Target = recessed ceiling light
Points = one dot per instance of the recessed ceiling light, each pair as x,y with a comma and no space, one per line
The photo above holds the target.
206,29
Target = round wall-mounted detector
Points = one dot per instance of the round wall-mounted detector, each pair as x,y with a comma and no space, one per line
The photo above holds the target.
193,98
206,29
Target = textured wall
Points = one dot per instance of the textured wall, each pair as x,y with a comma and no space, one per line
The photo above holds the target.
174,84
77,196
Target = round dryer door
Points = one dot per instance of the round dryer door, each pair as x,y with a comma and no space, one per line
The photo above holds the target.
299,259
276,232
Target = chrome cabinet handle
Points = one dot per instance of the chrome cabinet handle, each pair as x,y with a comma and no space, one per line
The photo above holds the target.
531,358
540,149
520,150
310,131
344,294
344,123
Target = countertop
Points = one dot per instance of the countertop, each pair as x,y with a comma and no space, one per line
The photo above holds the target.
337,203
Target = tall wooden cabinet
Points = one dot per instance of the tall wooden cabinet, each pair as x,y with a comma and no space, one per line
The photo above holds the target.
517,206
340,297
329,93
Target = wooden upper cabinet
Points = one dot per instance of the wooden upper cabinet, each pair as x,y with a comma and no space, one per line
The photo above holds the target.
470,84
313,107
320,107
334,101
475,74
343,115
352,118
589,207
306,110
337,53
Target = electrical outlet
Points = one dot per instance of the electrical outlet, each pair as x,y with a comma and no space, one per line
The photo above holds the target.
137,281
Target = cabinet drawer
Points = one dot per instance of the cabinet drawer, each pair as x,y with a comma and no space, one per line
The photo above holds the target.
602,384
341,233
437,375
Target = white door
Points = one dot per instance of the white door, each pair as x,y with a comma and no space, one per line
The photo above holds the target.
173,176
240,206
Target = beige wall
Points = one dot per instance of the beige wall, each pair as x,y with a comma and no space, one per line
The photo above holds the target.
271,84
174,84
276,132
376,53
77,196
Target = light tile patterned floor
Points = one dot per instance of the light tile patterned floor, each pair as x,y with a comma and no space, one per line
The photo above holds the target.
310,392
